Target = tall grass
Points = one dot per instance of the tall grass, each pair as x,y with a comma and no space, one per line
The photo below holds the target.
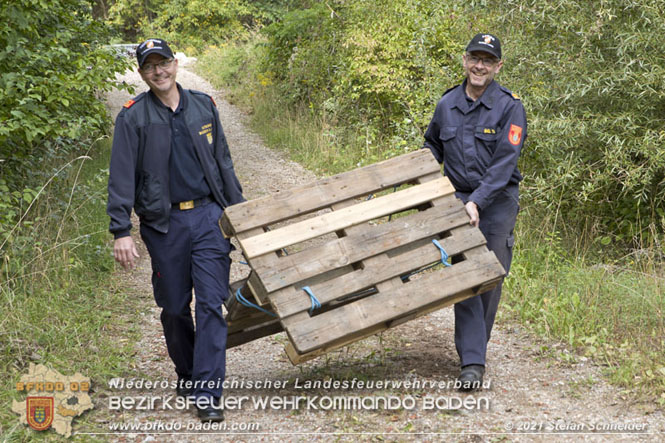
564,285
608,310
59,305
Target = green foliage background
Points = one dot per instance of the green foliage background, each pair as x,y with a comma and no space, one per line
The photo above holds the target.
592,77
190,23
589,73
53,68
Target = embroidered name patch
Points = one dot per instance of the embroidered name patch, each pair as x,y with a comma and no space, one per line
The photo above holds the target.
207,131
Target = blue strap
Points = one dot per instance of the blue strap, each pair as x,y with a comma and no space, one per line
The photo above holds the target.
316,304
444,260
243,301
444,254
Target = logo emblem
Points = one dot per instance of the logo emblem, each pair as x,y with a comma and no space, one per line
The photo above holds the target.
40,412
209,136
149,44
488,39
515,135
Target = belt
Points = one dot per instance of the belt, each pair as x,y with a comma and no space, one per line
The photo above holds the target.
191,204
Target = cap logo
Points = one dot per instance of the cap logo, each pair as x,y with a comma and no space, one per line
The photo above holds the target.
149,44
487,39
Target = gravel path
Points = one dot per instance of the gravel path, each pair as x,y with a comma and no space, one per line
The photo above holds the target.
530,396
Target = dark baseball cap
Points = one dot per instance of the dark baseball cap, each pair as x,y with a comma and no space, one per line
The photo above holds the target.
486,43
152,46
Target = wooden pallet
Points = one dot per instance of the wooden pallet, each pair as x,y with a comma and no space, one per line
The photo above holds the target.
355,252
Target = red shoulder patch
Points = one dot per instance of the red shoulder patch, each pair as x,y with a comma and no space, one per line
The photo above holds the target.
515,135
128,104
213,101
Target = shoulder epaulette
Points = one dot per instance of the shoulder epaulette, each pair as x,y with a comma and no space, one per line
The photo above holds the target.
131,102
509,92
193,91
448,90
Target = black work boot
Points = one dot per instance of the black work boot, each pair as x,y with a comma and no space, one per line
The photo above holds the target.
471,378
184,388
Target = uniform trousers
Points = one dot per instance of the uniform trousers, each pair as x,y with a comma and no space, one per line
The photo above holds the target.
193,254
474,317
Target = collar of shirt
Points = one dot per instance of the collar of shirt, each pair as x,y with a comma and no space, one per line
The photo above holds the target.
182,104
487,99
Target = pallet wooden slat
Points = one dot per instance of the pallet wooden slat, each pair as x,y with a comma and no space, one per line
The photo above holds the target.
291,300
334,221
297,358
264,329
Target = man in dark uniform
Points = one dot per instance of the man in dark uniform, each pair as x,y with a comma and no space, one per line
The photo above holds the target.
477,131
171,163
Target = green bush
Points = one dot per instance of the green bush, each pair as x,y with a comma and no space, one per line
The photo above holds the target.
377,74
53,68
192,24
592,78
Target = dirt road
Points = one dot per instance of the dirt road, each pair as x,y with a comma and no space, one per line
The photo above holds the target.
530,396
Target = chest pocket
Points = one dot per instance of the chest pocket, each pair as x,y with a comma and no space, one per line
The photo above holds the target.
486,134
485,144
486,137
448,133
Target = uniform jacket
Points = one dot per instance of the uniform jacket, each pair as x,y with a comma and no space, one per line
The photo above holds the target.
480,144
139,170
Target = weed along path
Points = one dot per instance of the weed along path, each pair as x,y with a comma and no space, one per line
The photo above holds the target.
395,386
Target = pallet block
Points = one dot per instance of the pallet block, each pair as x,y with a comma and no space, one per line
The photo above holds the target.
245,324
355,252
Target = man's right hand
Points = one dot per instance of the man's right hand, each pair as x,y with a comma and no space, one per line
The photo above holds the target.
472,211
124,251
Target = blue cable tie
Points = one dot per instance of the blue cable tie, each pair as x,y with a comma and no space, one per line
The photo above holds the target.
444,254
316,304
243,262
243,301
